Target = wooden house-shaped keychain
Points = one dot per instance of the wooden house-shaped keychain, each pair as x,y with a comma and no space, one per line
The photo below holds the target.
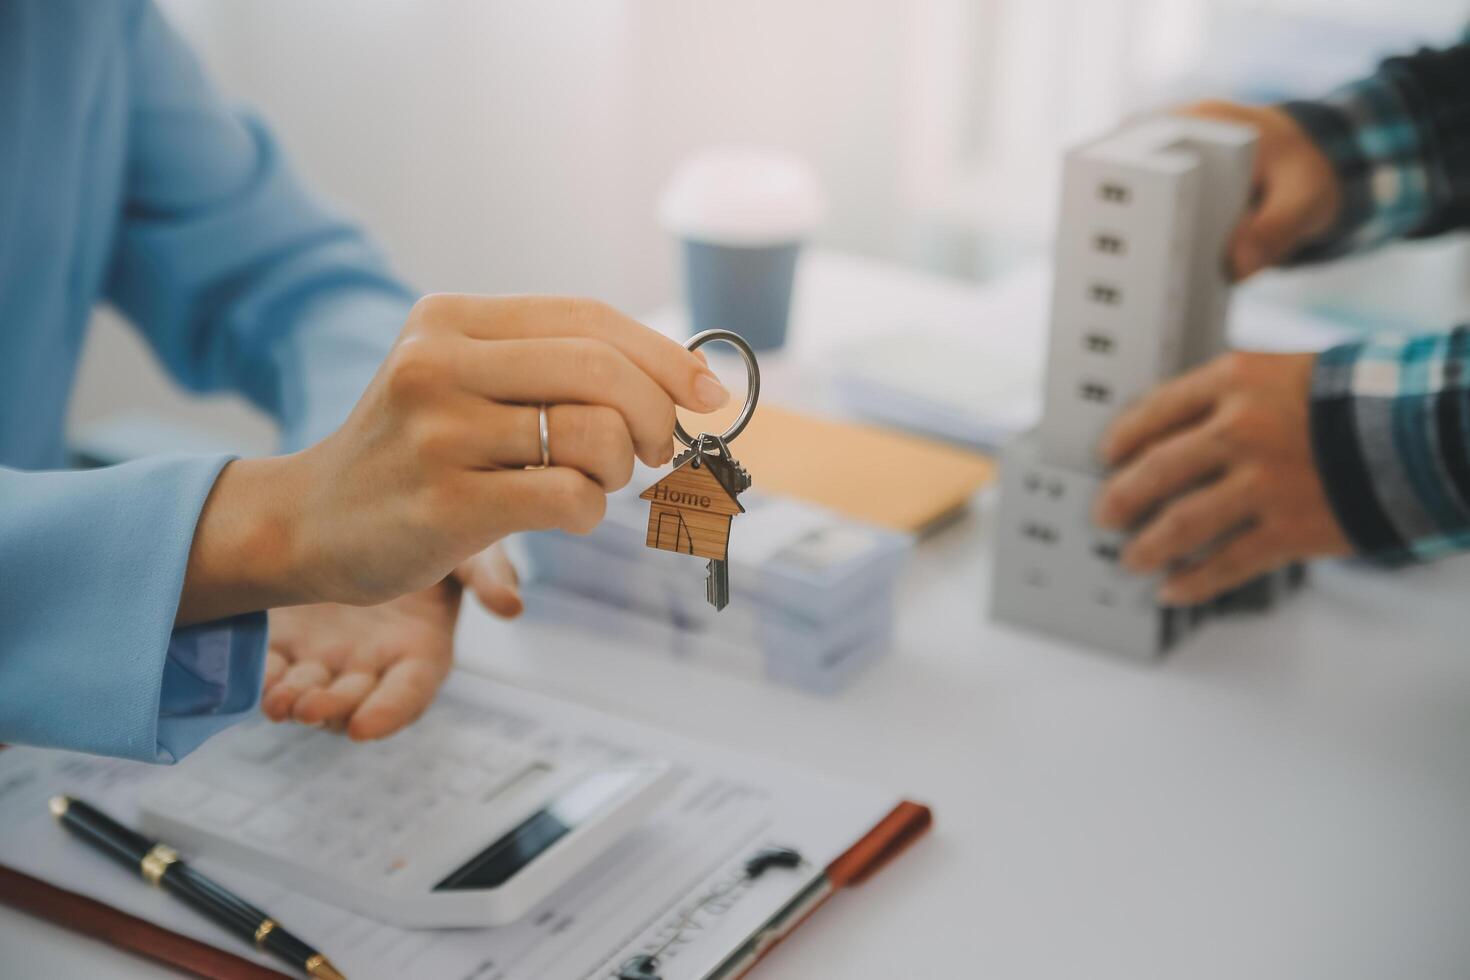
690,509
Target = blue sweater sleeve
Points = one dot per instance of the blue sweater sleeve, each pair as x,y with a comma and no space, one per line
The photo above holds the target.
239,278
240,281
89,657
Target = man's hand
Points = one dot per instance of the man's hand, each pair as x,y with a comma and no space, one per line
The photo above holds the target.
1296,195
372,670
1216,472
430,467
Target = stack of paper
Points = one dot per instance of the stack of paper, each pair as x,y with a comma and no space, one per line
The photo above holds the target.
811,591
932,384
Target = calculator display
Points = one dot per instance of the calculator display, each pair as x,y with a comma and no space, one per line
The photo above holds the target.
569,809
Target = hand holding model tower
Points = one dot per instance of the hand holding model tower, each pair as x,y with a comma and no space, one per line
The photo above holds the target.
1140,294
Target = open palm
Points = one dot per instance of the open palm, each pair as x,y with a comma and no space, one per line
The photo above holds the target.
371,670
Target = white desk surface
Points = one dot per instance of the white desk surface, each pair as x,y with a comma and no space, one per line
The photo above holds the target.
1288,796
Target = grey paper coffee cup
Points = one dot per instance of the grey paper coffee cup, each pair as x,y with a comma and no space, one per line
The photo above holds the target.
741,214
744,288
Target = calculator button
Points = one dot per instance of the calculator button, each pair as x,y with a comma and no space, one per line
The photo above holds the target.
256,782
396,864
467,780
396,785
342,785
272,826
501,763
387,750
265,742
426,768
432,724
350,772
354,859
310,796
313,842
354,814
223,809
431,805
180,793
470,745
316,754
399,826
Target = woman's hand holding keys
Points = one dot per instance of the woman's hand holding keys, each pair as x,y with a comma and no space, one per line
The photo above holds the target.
431,466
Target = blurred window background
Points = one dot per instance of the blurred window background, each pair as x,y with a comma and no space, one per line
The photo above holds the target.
520,146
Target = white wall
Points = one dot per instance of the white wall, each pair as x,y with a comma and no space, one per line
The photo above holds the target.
519,145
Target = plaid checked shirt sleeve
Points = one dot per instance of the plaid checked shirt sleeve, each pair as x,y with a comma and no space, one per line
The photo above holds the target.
1391,415
1391,434
1400,143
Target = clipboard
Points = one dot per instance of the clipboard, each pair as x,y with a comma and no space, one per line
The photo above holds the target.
859,839
906,823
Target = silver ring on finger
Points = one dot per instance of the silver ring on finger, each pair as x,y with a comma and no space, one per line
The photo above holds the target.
544,431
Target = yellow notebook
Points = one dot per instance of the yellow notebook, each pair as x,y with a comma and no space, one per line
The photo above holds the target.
876,475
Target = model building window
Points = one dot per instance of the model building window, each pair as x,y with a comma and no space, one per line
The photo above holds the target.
1115,193
1108,244
1098,343
1092,391
1103,293
1040,532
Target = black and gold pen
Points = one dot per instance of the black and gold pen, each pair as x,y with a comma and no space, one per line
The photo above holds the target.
161,866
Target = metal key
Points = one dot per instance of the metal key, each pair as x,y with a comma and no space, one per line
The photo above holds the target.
690,510
717,574
717,583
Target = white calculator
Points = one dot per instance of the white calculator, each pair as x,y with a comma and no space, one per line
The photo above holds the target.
455,821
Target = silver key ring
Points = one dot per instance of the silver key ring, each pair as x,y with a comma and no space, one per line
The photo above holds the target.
752,378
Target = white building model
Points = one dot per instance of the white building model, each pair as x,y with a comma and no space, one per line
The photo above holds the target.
1140,294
